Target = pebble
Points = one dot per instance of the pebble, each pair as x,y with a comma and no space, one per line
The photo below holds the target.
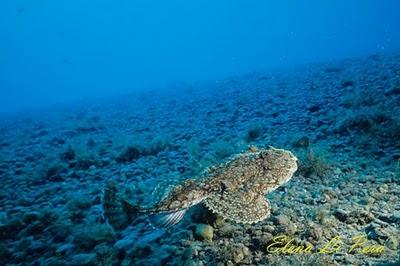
261,242
314,232
239,252
392,242
84,259
383,188
396,216
340,214
281,220
65,249
228,230
30,217
124,244
204,232
377,233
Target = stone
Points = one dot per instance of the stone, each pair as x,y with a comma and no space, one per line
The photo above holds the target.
124,244
219,222
5,253
88,237
30,217
84,259
314,232
228,230
377,233
3,218
302,142
188,253
204,232
229,263
268,228
287,229
239,253
11,228
281,220
146,239
392,242
383,188
65,249
261,242
396,217
341,215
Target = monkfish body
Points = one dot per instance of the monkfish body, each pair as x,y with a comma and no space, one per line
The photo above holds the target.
235,190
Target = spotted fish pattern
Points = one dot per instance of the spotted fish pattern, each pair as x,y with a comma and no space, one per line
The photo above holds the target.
235,190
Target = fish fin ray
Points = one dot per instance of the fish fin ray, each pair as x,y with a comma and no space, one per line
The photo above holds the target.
164,220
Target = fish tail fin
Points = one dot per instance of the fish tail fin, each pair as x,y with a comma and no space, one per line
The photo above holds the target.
118,212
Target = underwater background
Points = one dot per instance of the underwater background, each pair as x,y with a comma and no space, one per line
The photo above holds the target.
152,93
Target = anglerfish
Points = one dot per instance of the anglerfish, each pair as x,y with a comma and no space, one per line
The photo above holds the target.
235,189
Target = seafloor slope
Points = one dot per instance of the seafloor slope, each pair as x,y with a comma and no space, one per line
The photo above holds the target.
341,119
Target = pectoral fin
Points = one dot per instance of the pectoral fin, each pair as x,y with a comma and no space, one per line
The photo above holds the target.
241,207
167,219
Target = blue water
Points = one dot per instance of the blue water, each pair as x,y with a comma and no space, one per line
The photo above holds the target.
139,96
57,52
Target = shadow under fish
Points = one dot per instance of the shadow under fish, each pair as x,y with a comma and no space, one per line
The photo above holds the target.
235,190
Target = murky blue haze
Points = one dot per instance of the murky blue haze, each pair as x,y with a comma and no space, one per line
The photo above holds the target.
199,132
54,52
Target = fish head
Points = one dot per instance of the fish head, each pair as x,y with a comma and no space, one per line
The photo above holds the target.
279,164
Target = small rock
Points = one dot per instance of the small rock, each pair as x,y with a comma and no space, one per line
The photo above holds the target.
146,239
341,215
392,243
229,263
11,228
392,91
228,230
5,253
3,218
287,229
219,222
105,250
281,220
314,232
188,253
55,173
239,252
88,237
84,259
268,228
65,249
261,242
342,185
204,232
377,233
384,188
30,217
303,142
124,244
38,247
396,216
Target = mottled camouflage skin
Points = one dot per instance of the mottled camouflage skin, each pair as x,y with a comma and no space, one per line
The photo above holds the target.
241,182
235,190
